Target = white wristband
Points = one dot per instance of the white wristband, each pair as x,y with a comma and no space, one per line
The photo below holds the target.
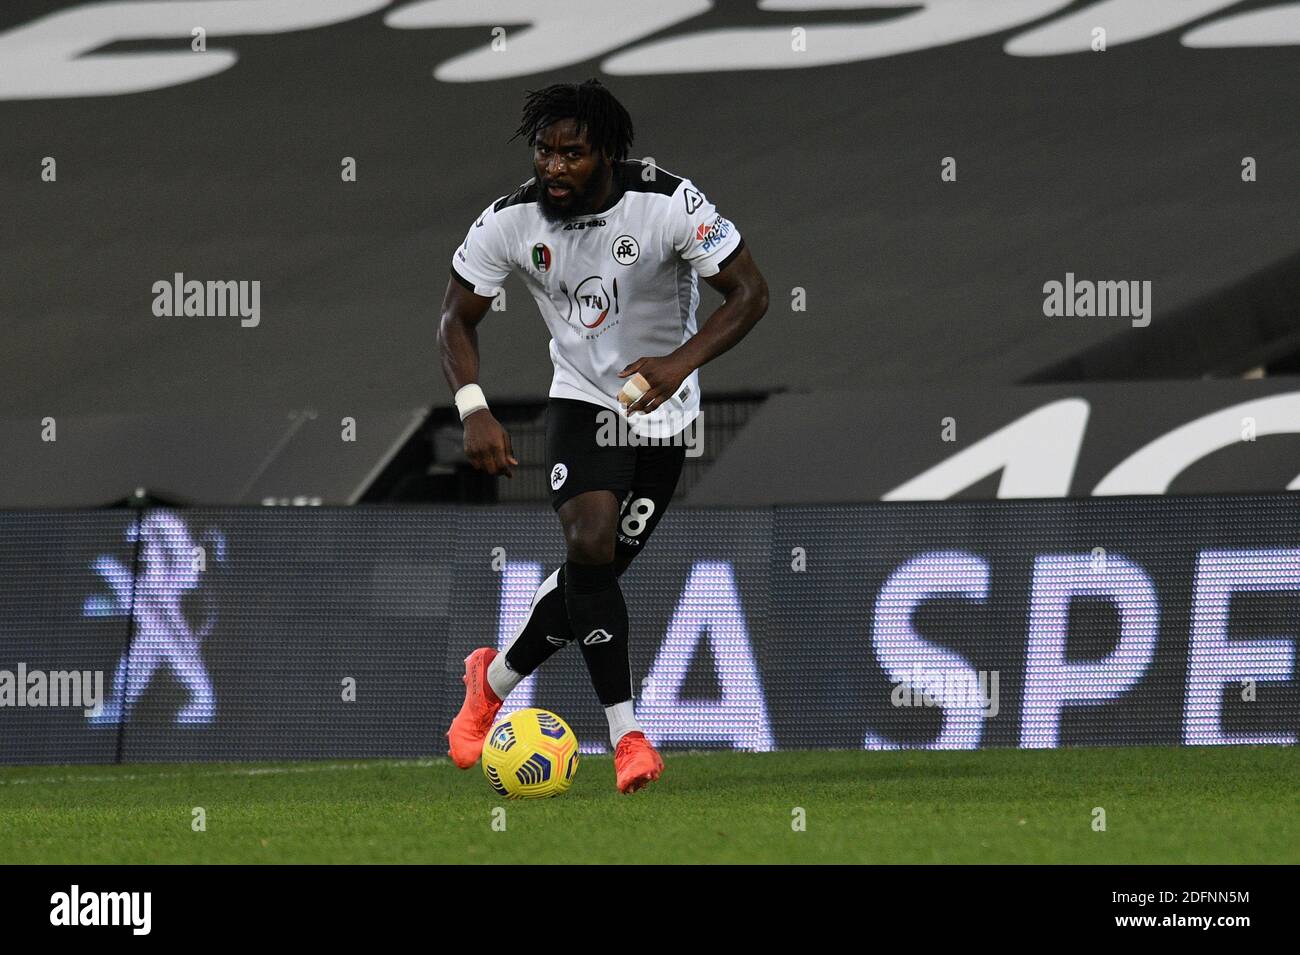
470,399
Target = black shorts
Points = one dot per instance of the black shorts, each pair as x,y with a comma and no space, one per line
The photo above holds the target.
642,476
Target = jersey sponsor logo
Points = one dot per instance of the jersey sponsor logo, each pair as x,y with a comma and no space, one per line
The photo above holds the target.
594,302
625,250
542,257
711,234
693,200
559,474
597,636
584,224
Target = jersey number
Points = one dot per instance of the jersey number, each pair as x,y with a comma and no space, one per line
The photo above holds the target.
637,516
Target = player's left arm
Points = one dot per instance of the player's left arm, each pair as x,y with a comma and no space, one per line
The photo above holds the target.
744,289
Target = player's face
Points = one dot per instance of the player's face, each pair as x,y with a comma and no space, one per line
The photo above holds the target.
570,173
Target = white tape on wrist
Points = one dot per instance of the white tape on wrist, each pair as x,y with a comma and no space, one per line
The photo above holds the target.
470,399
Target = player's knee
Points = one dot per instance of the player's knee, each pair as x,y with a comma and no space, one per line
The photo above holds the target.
590,547
589,529
589,541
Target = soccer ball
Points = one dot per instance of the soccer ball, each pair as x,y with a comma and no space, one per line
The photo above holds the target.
530,754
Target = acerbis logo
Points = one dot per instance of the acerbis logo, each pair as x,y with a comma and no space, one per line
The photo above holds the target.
584,224
597,636
693,200
559,474
625,250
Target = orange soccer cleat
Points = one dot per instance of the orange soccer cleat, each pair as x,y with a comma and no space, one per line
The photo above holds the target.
635,762
470,727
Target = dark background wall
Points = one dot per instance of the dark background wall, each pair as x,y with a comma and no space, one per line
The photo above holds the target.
1123,165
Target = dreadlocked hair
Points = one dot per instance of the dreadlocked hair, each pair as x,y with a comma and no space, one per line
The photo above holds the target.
590,105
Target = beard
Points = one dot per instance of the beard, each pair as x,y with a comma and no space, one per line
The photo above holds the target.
580,202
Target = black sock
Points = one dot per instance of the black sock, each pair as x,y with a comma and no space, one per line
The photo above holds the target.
546,630
598,621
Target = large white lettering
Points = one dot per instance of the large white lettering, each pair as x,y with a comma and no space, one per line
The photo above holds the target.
1213,660
909,658
53,56
1051,682
1036,454
709,605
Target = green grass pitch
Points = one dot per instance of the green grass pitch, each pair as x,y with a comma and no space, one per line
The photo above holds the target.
1194,805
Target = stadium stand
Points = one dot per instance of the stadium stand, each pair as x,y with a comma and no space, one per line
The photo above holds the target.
1067,162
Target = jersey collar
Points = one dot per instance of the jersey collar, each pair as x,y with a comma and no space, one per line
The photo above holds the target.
616,193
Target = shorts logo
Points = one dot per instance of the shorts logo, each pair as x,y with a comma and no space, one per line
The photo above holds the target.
597,636
558,475
625,250
558,641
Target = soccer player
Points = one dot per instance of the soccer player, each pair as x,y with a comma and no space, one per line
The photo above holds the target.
610,249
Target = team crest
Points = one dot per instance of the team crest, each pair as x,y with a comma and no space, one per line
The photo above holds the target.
542,257
625,250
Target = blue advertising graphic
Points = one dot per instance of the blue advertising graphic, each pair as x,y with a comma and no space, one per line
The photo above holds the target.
168,564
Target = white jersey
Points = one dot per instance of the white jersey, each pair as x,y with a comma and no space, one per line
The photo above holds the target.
613,286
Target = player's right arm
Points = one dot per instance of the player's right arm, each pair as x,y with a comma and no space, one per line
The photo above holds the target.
487,444
478,268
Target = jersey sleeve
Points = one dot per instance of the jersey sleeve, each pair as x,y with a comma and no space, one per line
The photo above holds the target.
701,235
482,262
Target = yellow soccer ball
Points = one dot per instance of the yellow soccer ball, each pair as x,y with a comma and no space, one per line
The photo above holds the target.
531,754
